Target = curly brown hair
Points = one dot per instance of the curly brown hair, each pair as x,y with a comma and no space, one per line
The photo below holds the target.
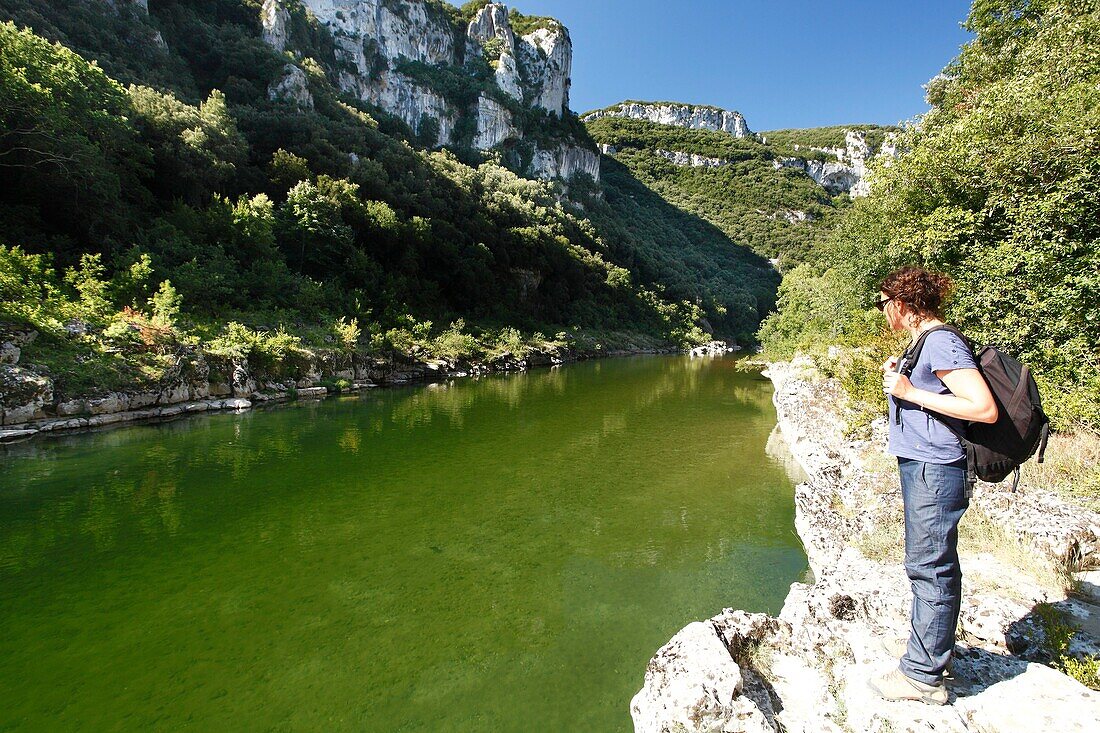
922,290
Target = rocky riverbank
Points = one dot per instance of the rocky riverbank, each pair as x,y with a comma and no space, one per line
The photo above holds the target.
807,669
201,381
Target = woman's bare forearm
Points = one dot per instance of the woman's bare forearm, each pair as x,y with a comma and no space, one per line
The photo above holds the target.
952,405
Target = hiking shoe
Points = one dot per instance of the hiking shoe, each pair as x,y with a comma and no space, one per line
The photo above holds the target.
896,649
894,685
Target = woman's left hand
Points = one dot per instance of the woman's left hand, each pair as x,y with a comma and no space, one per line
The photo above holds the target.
897,385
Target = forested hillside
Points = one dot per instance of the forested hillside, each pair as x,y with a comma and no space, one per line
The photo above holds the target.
739,184
1000,188
157,191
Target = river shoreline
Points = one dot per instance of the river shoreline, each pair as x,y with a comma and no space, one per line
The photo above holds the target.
806,669
242,391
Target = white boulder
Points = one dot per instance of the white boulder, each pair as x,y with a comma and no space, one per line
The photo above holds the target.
693,685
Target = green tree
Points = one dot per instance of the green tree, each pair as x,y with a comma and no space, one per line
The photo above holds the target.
196,149
166,304
67,148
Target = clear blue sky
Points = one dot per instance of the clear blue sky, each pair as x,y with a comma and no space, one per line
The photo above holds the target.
781,63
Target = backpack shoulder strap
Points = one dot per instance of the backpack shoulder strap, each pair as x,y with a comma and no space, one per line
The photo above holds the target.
912,354
908,360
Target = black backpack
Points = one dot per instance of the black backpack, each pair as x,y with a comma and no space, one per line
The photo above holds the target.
995,450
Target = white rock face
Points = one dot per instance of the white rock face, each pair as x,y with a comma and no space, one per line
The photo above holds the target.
833,177
508,77
398,95
494,124
491,22
679,115
414,33
693,684
293,87
369,36
273,18
565,162
546,58
849,172
677,157
796,216
373,38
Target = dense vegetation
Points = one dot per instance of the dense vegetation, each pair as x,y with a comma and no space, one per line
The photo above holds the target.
749,199
159,187
1000,188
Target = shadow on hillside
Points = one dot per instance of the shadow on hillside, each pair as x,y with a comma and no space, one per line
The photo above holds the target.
664,243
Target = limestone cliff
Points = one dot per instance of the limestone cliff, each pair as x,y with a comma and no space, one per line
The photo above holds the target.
848,173
698,117
844,168
389,52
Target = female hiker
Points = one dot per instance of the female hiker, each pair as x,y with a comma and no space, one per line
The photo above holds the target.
932,464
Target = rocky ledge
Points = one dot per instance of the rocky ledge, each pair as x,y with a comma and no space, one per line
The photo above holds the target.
807,669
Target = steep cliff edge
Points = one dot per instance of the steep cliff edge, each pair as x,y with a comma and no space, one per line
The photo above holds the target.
454,81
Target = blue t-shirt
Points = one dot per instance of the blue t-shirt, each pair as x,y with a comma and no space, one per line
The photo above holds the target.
921,436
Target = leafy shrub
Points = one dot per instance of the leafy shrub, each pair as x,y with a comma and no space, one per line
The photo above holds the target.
454,344
166,304
29,291
347,333
87,280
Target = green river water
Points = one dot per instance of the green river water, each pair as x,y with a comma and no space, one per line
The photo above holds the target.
493,554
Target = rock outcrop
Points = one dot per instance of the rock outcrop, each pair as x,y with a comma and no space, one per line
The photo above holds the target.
377,39
809,666
693,684
697,117
546,56
565,161
274,18
494,124
293,87
848,173
834,177
693,160
491,24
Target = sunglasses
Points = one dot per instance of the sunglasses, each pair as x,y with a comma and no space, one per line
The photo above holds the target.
880,303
